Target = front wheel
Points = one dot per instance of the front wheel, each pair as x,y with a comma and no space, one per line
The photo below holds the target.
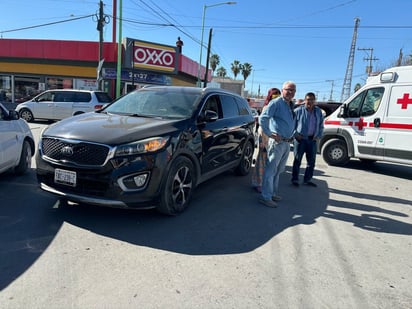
25,159
335,152
27,115
178,187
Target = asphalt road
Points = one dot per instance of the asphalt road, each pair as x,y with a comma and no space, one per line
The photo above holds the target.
345,244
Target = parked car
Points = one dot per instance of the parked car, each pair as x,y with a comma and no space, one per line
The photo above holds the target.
328,107
62,103
149,148
16,142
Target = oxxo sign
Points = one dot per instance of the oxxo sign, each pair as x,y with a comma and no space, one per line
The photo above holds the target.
154,57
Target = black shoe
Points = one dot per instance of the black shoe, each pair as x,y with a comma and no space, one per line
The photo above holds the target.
295,183
310,183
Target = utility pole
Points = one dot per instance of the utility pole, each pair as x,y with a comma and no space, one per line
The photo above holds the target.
102,19
331,89
209,46
370,59
399,62
349,68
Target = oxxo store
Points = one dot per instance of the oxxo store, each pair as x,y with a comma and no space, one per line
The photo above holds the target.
151,63
29,67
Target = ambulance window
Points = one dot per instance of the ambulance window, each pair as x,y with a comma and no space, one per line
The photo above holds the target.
372,101
354,105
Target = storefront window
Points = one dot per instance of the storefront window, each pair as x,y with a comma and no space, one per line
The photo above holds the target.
25,88
5,88
59,83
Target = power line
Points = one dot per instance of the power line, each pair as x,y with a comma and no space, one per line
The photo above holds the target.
48,24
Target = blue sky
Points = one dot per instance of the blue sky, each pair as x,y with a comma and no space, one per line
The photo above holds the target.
304,41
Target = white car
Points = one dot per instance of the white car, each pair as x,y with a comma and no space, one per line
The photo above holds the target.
16,142
62,103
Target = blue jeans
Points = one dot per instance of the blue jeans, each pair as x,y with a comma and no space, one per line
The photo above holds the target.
308,147
277,156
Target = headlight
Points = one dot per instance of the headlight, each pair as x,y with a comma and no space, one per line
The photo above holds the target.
148,145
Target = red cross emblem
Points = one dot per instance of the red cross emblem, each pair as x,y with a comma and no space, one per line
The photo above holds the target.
405,101
360,124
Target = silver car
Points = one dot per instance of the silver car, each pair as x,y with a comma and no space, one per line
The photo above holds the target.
62,103
16,142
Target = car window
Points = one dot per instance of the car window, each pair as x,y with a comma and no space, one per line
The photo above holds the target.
46,97
64,96
83,97
212,105
229,106
152,102
372,101
103,97
243,106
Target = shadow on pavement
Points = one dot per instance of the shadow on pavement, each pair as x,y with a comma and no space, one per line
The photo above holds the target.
223,218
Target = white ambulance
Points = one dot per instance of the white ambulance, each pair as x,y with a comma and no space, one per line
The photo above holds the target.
374,124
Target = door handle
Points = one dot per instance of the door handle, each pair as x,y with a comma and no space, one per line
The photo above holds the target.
377,122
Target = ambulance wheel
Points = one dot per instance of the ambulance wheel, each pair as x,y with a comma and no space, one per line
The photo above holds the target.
335,152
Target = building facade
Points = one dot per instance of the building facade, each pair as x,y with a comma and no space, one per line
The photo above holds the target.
29,67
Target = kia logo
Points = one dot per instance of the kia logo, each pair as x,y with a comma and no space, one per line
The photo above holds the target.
67,151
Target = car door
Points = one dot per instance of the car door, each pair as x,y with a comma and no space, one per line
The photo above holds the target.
362,112
43,105
63,104
9,146
214,134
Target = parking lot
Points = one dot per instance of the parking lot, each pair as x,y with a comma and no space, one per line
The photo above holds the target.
345,244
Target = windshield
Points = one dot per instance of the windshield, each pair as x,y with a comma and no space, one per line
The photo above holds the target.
163,103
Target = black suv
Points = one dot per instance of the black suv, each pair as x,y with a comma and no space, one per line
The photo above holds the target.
149,148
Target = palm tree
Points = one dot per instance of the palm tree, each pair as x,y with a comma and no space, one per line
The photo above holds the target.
246,70
221,72
236,66
214,62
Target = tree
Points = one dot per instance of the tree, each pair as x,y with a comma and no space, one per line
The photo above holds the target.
246,70
214,62
221,72
236,66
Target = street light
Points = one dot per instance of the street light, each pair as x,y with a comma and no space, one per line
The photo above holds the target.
199,83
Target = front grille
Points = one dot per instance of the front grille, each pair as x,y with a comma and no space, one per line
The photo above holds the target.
79,153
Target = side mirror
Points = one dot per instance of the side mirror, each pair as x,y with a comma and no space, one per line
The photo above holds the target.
208,116
343,113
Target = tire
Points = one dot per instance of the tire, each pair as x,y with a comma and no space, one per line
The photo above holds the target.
335,152
25,159
178,187
26,114
246,162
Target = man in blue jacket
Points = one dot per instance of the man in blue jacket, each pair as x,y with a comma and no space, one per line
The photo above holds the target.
308,130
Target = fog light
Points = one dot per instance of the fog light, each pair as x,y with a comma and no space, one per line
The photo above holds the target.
133,182
140,180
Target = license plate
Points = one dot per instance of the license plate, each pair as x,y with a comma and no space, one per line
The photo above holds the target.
64,177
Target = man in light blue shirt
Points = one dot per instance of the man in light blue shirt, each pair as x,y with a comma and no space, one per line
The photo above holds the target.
278,123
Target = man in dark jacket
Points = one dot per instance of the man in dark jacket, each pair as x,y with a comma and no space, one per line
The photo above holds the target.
308,130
